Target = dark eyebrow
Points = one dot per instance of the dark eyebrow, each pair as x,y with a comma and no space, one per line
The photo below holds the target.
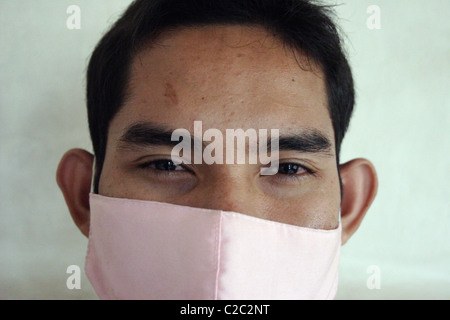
146,134
306,141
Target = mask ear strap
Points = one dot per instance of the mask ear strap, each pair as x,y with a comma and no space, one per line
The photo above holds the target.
93,176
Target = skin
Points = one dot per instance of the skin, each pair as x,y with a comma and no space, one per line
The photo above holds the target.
228,77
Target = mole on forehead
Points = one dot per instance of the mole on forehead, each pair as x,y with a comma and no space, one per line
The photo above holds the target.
170,74
170,93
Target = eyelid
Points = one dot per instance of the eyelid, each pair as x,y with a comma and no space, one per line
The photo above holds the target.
301,165
307,172
148,166
308,168
178,160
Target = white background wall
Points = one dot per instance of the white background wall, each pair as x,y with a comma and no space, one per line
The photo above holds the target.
401,123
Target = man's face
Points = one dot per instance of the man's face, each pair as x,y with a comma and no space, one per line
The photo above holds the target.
228,77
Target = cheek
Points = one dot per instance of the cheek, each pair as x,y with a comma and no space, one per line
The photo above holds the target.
111,183
114,182
322,205
314,206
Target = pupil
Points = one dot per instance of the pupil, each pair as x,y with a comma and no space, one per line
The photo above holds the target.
289,168
165,165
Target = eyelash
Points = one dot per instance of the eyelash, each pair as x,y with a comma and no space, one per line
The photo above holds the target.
280,176
148,166
290,177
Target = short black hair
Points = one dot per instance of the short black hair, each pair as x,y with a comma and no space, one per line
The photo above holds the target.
302,25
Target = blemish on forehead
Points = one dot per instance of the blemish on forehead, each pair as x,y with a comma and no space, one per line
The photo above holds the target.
170,93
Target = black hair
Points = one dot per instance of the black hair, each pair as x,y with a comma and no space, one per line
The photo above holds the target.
303,25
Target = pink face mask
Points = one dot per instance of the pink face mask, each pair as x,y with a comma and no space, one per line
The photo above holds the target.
152,250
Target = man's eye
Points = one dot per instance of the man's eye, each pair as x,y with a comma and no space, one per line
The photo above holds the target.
290,169
164,165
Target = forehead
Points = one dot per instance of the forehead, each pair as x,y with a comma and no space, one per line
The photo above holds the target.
227,77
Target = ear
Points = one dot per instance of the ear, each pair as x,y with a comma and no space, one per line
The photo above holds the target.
74,176
360,185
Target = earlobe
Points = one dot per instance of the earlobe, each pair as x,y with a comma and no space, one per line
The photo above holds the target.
74,179
360,185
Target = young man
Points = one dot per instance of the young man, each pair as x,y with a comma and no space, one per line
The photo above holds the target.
162,229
